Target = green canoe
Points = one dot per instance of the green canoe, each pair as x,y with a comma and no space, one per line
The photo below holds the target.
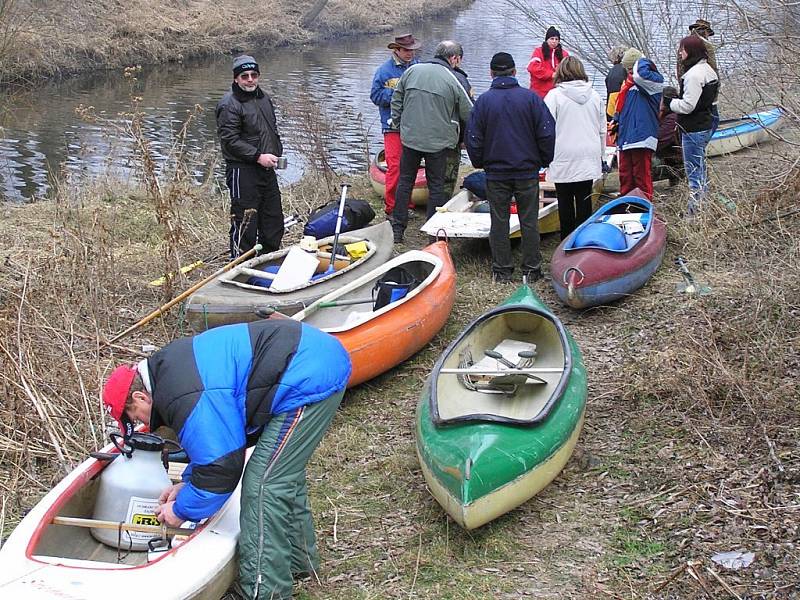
491,433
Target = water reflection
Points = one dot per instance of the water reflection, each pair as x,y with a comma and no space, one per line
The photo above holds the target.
324,89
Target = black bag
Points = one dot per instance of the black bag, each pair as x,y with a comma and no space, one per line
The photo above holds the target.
392,286
322,221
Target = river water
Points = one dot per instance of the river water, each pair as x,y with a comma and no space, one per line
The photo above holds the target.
324,89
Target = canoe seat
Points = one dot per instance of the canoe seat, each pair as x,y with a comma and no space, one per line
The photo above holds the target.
519,354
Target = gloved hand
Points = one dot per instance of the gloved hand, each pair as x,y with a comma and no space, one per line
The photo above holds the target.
669,93
391,83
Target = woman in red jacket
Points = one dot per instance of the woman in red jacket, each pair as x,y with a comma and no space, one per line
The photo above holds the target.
544,62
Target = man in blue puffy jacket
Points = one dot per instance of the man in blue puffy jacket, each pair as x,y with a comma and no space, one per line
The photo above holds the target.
275,384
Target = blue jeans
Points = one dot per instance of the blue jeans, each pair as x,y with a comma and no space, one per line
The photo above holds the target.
694,161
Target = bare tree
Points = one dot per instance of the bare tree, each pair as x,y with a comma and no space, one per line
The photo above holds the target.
589,28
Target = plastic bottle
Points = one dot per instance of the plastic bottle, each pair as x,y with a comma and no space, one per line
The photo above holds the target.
129,491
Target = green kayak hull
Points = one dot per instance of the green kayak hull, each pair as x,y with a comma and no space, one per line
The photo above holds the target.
478,468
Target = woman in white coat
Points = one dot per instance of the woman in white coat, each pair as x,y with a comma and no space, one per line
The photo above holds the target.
580,141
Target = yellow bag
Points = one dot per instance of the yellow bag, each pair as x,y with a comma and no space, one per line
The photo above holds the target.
357,249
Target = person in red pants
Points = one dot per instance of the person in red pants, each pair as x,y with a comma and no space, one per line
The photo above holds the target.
383,83
636,117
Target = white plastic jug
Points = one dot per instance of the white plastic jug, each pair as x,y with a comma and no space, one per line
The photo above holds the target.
129,490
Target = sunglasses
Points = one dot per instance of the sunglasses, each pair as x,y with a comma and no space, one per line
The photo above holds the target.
249,75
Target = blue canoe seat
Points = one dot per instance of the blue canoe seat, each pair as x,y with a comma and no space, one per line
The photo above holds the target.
601,235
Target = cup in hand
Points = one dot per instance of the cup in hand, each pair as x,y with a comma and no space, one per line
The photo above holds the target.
281,162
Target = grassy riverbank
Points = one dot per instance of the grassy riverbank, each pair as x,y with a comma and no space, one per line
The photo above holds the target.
690,443
56,38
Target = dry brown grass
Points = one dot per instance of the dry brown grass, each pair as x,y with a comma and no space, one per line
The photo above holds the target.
690,443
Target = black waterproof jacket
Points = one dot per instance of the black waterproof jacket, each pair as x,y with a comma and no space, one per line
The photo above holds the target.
246,126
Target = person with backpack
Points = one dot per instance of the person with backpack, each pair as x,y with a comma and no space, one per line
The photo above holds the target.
636,120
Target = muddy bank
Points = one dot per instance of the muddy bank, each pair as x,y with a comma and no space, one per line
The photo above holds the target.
49,38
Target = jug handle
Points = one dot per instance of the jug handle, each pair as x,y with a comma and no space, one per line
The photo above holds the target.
166,452
124,448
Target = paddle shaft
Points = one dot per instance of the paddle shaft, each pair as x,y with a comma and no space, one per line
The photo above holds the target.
339,216
333,303
98,524
194,288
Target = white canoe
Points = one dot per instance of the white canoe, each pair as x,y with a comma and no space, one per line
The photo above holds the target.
745,131
458,217
229,298
43,560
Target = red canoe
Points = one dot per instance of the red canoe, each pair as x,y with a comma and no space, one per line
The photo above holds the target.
611,255
377,176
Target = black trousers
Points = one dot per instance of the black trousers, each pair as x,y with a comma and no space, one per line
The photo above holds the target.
256,212
574,204
526,193
435,167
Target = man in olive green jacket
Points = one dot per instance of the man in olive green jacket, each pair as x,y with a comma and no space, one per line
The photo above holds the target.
430,107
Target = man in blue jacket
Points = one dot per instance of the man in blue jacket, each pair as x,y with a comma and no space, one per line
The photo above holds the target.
275,384
511,134
383,83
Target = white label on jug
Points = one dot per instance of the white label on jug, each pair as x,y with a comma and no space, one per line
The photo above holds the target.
142,511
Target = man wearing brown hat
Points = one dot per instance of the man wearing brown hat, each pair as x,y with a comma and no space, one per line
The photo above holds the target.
383,83
251,145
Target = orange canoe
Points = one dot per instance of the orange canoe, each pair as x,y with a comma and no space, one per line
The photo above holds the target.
381,337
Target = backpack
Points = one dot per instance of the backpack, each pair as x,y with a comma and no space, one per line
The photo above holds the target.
393,285
322,221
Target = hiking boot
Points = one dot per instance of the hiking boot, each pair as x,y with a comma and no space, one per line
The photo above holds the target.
501,278
398,238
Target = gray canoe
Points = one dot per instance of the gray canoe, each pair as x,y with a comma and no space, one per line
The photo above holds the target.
231,299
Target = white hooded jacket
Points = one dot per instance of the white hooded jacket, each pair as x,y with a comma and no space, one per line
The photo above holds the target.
580,132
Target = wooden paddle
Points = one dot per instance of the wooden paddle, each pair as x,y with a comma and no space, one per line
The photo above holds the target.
161,310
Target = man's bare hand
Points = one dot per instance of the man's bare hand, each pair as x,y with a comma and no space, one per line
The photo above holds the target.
166,515
268,161
169,494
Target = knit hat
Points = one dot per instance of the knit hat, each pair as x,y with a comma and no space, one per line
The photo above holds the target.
502,61
115,393
244,63
630,57
552,32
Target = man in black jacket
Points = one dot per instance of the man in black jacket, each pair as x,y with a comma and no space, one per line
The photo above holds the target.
511,134
251,146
